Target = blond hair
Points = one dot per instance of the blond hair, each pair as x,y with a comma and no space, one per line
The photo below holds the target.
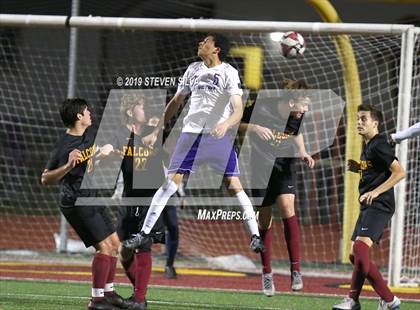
128,102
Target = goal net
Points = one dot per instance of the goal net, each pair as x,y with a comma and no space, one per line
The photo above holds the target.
34,77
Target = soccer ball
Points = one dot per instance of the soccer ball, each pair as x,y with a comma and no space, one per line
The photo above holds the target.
292,44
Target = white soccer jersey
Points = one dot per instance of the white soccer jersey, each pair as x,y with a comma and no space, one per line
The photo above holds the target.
210,90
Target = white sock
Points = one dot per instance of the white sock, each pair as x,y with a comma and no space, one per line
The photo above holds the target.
251,222
109,287
159,201
98,292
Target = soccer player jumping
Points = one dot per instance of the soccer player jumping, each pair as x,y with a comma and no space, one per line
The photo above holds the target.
216,106
380,171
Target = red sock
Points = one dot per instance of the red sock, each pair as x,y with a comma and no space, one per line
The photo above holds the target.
267,237
143,272
100,271
360,269
109,285
291,234
130,269
377,281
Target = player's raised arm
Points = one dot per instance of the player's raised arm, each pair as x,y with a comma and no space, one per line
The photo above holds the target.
397,174
53,176
408,133
170,110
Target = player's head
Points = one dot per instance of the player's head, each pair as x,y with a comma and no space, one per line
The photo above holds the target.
369,120
296,94
133,109
75,111
213,45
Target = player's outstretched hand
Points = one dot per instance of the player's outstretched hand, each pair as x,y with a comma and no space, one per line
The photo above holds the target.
368,197
74,156
220,130
308,160
353,166
149,140
105,150
263,132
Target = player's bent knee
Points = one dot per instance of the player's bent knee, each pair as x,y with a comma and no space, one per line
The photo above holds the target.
264,217
365,240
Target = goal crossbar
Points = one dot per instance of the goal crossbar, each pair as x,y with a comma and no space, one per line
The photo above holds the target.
185,24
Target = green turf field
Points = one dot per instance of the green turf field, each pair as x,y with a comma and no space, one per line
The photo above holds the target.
16,295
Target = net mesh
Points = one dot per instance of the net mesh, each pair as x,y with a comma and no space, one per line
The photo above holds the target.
34,64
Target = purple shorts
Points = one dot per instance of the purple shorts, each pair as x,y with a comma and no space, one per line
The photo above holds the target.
193,149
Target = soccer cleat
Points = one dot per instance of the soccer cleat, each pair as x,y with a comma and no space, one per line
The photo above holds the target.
136,241
118,301
297,283
101,305
347,304
138,305
256,244
268,284
170,272
392,305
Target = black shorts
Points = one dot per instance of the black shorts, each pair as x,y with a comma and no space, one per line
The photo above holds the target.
130,221
92,224
282,181
371,223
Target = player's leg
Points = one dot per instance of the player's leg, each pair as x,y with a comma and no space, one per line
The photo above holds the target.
181,162
127,224
380,286
286,204
171,240
89,224
235,189
109,247
127,261
159,201
265,228
143,261
369,228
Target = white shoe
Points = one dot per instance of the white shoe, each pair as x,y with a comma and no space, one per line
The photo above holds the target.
347,304
297,282
392,305
268,284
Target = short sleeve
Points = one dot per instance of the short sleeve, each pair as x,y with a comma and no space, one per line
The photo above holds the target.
184,85
233,85
384,154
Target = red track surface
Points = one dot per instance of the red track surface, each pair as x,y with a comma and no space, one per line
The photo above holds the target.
248,282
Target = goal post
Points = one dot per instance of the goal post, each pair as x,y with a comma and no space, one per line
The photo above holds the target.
33,75
403,121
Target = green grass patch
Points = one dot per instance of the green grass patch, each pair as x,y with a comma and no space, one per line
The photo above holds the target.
24,295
